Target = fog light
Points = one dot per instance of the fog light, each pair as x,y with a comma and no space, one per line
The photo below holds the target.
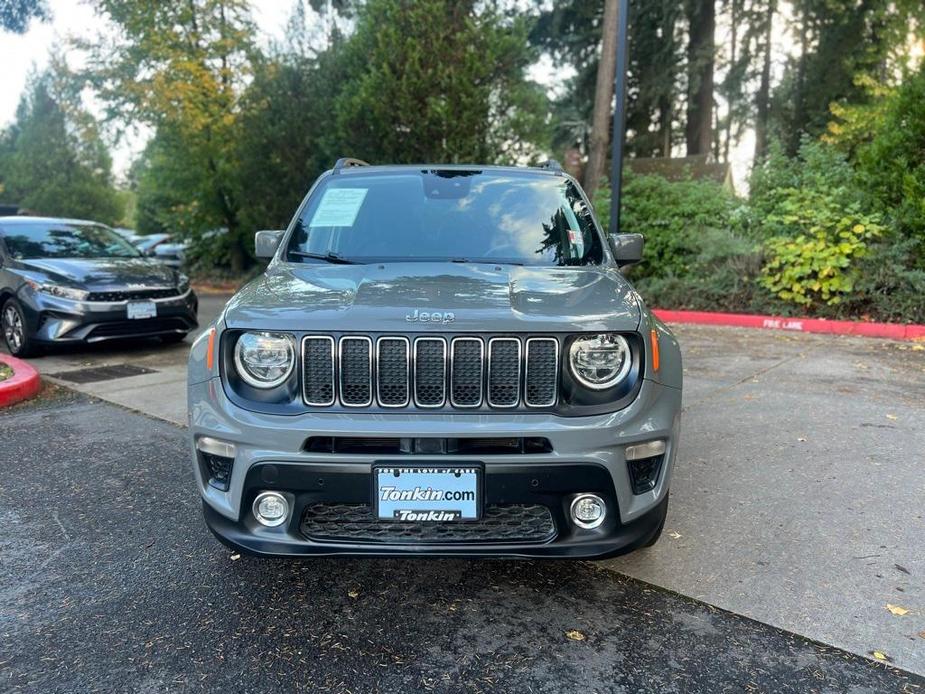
588,511
271,509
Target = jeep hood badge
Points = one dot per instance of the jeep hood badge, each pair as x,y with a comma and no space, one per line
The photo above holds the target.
430,317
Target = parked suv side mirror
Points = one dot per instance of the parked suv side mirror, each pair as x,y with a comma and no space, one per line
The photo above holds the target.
266,242
627,248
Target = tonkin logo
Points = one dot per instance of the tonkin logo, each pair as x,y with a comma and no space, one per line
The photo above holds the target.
430,317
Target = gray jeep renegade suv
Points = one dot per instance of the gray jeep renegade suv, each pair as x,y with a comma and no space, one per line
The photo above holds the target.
439,360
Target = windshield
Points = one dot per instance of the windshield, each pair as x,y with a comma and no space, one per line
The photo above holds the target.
35,240
447,215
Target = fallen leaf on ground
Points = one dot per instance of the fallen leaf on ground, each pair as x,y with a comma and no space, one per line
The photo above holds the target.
674,534
918,348
235,557
880,655
353,593
575,635
897,610
892,417
922,634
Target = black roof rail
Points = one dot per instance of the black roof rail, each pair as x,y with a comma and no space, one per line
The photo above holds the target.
347,162
552,165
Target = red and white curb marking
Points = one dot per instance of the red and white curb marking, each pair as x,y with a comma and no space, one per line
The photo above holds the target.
892,331
22,385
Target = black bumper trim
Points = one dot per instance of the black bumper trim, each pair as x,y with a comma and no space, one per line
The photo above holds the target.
552,485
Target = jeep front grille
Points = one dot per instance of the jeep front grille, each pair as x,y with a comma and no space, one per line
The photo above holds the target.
430,372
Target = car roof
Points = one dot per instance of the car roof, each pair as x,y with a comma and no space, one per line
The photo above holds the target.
17,219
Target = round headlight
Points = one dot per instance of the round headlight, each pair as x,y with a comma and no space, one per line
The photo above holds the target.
600,361
264,360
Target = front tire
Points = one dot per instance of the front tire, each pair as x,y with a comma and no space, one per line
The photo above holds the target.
15,330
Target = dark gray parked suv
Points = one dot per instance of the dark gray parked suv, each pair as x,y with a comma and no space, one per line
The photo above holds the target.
65,281
439,360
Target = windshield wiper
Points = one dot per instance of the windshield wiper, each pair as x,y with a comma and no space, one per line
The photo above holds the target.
485,261
329,257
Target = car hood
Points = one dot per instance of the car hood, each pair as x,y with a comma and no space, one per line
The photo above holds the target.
103,273
466,298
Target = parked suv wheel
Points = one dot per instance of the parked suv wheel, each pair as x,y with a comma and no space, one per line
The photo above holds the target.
16,331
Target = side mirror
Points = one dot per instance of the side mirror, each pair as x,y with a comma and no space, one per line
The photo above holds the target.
627,248
266,243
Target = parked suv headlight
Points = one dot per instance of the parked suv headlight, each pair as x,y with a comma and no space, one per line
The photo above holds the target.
600,361
264,360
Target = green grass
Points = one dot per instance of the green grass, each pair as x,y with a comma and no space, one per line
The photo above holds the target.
5,372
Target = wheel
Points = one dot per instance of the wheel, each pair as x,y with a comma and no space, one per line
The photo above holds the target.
15,331
173,339
658,533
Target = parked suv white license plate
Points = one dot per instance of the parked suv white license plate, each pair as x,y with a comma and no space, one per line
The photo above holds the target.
141,309
427,494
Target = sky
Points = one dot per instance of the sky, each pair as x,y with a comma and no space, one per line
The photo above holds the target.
19,55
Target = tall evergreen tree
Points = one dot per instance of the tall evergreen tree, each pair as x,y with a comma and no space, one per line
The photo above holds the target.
52,159
440,80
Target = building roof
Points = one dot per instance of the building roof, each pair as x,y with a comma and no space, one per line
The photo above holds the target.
698,168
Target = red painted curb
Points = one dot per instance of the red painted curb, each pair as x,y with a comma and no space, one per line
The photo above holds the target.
22,385
892,331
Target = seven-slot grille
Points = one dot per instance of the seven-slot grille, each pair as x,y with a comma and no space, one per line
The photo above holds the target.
430,372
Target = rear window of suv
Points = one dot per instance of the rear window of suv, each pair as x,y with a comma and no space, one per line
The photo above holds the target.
448,215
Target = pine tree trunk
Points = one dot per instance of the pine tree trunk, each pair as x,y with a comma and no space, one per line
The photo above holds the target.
798,127
603,99
763,98
701,55
733,56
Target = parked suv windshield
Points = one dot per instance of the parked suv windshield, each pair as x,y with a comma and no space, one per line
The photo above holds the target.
447,215
34,240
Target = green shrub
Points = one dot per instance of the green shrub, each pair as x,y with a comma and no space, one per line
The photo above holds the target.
673,216
892,166
820,263
695,257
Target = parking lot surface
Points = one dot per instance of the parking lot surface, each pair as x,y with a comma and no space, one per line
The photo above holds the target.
109,581
799,493
798,497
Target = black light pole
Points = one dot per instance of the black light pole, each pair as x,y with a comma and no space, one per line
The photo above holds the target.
619,116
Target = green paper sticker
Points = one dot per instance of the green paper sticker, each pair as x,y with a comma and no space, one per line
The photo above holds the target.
339,207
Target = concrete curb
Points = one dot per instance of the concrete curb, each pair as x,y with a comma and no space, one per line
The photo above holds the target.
892,331
22,385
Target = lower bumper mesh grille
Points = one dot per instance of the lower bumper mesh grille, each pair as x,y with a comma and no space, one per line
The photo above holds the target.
358,523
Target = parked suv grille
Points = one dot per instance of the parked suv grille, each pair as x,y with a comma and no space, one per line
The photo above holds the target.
430,372
134,294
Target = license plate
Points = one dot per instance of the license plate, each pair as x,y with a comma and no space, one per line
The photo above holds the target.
141,309
427,494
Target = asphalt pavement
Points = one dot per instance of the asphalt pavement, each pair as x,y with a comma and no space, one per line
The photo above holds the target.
109,581
799,494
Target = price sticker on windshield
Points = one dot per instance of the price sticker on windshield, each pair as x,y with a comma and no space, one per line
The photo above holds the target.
339,207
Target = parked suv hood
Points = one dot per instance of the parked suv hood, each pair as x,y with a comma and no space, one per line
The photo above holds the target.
470,297
103,273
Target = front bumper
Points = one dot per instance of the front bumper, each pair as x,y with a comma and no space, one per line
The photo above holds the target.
587,455
57,320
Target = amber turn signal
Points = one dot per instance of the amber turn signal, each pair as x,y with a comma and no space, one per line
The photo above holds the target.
653,338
